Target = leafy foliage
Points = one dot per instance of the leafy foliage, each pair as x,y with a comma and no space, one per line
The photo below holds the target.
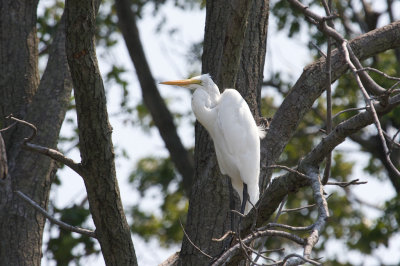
159,172
347,222
64,248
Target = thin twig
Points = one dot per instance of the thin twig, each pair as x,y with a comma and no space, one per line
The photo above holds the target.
53,154
379,72
392,141
61,224
346,49
288,169
346,184
348,110
392,88
327,170
288,227
259,254
34,129
265,239
7,128
222,238
319,49
299,208
245,249
301,257
323,211
235,248
190,241
57,156
238,213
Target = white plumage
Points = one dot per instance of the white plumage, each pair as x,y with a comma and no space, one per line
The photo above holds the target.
236,137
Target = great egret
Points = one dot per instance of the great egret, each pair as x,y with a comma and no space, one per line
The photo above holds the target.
236,137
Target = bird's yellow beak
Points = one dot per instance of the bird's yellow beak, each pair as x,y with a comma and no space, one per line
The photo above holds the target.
182,82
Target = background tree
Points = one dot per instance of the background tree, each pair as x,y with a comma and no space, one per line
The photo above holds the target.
234,53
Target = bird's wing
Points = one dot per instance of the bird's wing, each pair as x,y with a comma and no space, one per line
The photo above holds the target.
236,124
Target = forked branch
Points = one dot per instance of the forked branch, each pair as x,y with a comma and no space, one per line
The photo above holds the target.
53,154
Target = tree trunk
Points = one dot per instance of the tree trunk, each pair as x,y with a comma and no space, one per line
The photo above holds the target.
97,153
21,227
227,57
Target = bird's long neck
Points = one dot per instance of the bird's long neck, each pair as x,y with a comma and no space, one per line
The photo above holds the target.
213,91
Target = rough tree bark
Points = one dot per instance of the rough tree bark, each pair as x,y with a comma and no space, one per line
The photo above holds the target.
44,105
96,148
230,26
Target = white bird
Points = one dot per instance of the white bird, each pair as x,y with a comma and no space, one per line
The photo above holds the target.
236,137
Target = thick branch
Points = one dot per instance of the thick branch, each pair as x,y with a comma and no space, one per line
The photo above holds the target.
95,142
311,84
55,155
61,224
291,182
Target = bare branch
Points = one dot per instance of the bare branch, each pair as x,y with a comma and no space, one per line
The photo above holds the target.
287,169
34,129
346,184
323,212
379,72
392,89
347,49
311,85
62,225
328,69
53,154
7,128
301,258
299,208
222,238
191,242
289,227
264,239
318,49
3,159
348,110
57,156
392,141
234,249
350,59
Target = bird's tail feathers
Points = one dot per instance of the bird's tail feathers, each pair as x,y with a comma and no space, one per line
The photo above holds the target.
262,131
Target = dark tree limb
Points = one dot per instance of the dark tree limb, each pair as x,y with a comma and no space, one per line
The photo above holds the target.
52,153
311,84
61,224
112,229
291,182
21,227
162,117
3,159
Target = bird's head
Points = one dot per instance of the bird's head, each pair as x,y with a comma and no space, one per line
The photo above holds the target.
204,82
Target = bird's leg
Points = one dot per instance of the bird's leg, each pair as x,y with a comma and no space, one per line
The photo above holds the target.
227,241
231,205
245,198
